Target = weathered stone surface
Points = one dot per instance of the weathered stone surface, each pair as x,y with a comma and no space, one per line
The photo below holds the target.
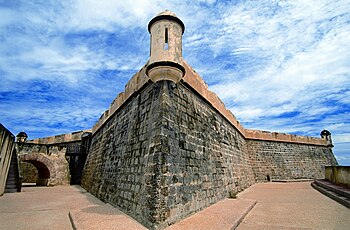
166,154
122,167
50,161
283,160
339,175
29,172
207,157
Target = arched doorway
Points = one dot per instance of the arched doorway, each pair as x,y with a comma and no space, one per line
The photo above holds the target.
43,175
45,169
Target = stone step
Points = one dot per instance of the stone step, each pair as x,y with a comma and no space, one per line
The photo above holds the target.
10,175
10,190
9,178
333,195
341,190
10,183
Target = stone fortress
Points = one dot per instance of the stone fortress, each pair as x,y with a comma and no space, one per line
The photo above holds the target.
167,146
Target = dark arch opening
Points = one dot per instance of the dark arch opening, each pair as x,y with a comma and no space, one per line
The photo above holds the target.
43,172
268,178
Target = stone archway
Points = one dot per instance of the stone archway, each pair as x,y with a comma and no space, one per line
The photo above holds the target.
46,169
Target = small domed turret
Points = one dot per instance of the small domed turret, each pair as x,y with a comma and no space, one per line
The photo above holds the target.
325,134
21,137
165,62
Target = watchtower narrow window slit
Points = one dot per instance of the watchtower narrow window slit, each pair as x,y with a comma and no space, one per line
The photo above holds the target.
166,42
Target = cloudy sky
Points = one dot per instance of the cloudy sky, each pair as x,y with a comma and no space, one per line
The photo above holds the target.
278,65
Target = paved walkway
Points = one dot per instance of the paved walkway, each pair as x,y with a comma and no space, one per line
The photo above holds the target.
293,206
279,206
43,208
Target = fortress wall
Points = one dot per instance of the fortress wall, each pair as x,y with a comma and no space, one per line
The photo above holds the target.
167,152
208,155
285,160
123,164
164,155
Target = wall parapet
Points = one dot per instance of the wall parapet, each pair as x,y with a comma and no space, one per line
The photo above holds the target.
62,138
283,137
338,175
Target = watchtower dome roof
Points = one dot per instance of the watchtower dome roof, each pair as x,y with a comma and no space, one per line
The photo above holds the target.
167,12
22,134
325,133
167,15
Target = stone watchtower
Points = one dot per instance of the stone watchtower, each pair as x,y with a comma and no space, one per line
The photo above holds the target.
165,63
325,134
21,137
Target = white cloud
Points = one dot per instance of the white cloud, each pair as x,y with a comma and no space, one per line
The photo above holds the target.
301,67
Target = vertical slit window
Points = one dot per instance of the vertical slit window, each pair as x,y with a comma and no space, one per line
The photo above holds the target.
150,47
166,42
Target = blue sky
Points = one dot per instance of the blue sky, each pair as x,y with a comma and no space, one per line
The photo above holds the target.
277,65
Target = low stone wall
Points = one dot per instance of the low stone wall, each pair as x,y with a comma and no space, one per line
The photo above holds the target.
338,175
59,139
275,160
7,141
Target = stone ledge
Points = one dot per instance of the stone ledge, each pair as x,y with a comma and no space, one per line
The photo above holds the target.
62,138
331,193
282,137
292,180
339,189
